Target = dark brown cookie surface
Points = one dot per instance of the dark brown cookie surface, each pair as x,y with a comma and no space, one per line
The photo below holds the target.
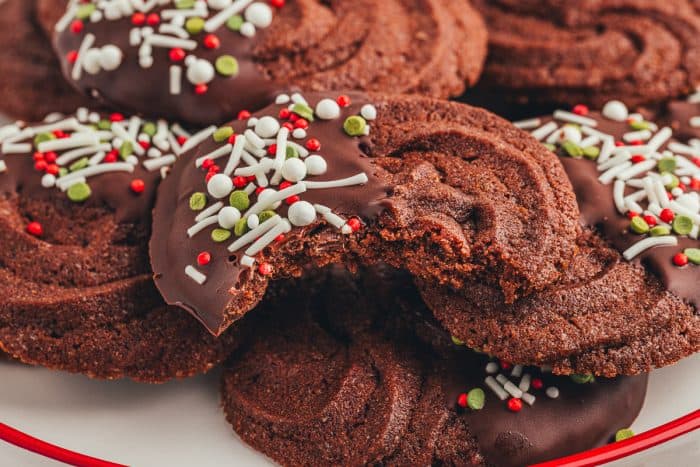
203,63
32,84
352,373
572,52
75,200
629,303
444,190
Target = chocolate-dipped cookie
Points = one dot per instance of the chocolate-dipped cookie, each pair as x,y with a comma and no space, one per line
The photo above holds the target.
444,190
76,286
567,52
32,84
352,373
630,301
204,61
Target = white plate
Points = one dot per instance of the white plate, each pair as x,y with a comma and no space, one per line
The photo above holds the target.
181,423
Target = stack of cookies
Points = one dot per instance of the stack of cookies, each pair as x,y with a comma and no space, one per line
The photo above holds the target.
386,276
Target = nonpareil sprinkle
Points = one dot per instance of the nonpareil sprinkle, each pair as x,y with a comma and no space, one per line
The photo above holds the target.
241,227
476,399
623,434
693,255
639,225
304,111
355,125
220,235
79,192
682,225
222,134
239,199
198,201
226,65
582,379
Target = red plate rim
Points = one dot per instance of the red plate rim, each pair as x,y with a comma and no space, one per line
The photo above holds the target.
601,455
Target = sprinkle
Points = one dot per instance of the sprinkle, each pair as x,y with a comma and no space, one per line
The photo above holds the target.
358,179
659,139
65,181
552,392
515,404
608,176
159,162
226,65
210,211
254,234
79,192
201,225
355,125
198,138
216,154
247,261
525,382
517,371
476,399
195,275
615,110
281,228
573,118
693,255
77,71
496,388
492,368
540,133
281,195
640,135
35,228
528,124
623,434
197,201
175,79
528,398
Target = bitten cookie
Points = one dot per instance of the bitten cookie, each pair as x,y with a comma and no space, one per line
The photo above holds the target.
203,62
567,52
32,84
441,189
630,301
75,201
350,372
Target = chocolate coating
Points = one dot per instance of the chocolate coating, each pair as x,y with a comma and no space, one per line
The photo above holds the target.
434,47
352,372
444,177
571,52
678,115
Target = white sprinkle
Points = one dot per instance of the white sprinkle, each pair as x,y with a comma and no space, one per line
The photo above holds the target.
262,167
198,138
607,177
679,208
157,163
76,140
247,261
158,40
528,398
358,179
216,21
619,158
253,221
606,150
77,71
67,17
3,167
281,228
235,157
637,169
544,131
649,242
70,156
695,122
330,217
298,99
67,124
642,135
254,139
215,154
169,28
525,382
210,211
175,79
552,392
261,205
592,140
119,131
316,165
13,148
195,275
220,186
266,127
615,110
301,214
94,170
528,124
517,371
97,158
47,181
659,139
492,368
574,118
201,225
327,109
252,235
282,99
228,217
496,388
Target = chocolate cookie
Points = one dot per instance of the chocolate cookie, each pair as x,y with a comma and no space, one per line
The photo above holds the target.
630,301
203,62
352,373
444,190
567,52
75,201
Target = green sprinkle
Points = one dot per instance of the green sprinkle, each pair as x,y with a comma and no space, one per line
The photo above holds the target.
693,255
197,201
194,25
223,133
292,152
582,379
266,215
235,22
79,164
476,398
239,199
659,231
79,192
667,164
623,434
355,125
184,4
226,65
639,125
126,150
85,10
591,152
241,227
682,225
549,146
304,111
220,235
150,129
456,341
104,125
43,137
572,149
639,225
62,172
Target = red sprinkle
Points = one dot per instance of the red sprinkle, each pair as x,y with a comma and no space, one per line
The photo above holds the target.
116,117
38,156
277,3
203,258
72,56
632,214
313,144
40,166
667,215
240,182
35,228
207,163
145,144
650,220
137,186
294,117
177,54
60,134
77,26
243,115
462,400
209,176
695,184
292,199
301,123
537,383
515,405
343,100
580,109
355,224
680,259
201,89
279,238
619,143
285,184
506,365
153,19
259,190
288,126
52,169
265,269
637,158
285,114
181,140
272,149
138,19
50,157
215,169
250,178
637,142
696,161
211,41
232,139
111,156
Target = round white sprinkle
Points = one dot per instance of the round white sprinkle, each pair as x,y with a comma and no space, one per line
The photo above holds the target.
316,165
253,221
96,16
189,60
48,180
299,133
265,195
570,133
492,368
368,112
247,29
110,57
146,61
228,217
615,110
259,14
133,160
327,109
552,392
294,170
200,72
267,127
91,61
301,213
677,192
282,99
220,186
219,4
